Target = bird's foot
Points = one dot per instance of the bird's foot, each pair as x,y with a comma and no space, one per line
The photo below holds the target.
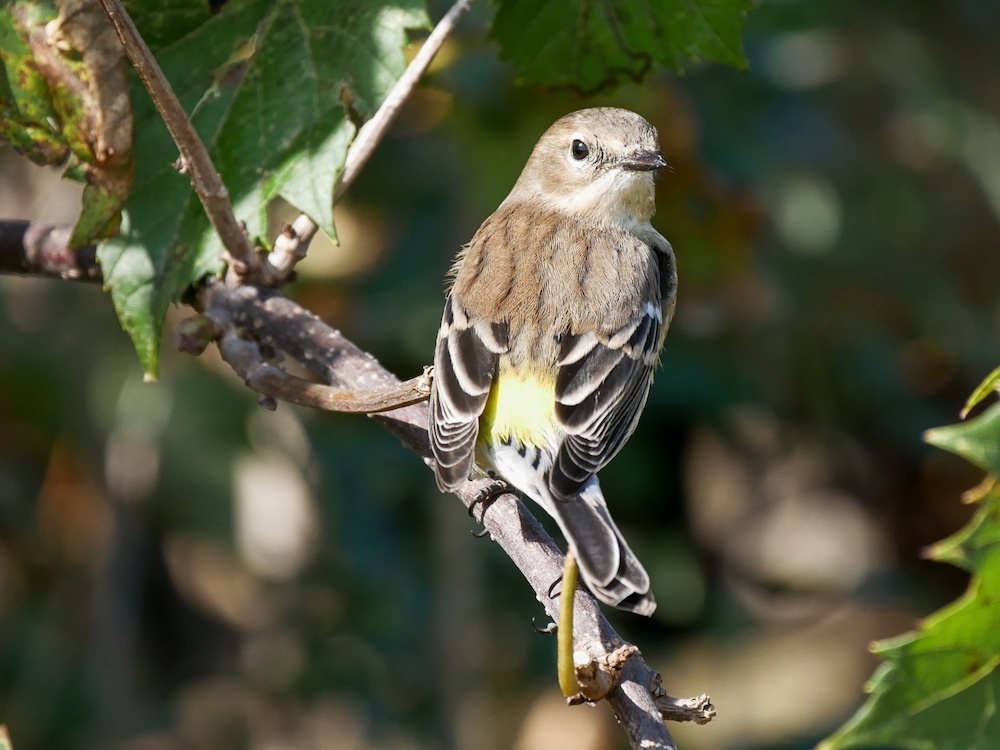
483,498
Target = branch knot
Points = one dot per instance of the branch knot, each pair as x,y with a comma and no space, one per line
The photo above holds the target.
598,676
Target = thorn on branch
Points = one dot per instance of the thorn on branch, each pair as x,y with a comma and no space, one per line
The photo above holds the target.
239,269
552,591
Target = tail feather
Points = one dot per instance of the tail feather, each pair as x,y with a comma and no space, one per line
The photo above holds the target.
607,564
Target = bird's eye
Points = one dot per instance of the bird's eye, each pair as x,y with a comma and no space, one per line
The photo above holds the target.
579,150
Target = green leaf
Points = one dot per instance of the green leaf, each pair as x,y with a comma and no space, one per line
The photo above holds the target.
977,440
938,687
589,45
64,90
28,121
263,82
970,547
990,385
100,215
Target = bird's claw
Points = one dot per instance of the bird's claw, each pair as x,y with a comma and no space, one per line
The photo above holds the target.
547,630
485,496
551,591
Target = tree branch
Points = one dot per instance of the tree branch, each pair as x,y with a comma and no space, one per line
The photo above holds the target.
290,246
38,249
280,323
195,159
698,709
244,356
636,698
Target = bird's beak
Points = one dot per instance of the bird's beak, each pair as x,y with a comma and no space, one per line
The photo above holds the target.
643,161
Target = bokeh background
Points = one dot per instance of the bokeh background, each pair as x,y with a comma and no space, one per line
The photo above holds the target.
182,569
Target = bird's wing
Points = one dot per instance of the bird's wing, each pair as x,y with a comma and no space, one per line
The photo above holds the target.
602,383
465,363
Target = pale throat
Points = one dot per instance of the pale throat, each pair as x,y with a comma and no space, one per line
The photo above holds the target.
621,199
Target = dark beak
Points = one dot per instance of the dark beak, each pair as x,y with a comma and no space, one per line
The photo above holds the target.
644,161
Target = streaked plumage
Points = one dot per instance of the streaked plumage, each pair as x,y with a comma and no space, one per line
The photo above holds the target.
551,332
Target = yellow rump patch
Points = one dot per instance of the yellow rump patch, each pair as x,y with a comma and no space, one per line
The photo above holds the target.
521,405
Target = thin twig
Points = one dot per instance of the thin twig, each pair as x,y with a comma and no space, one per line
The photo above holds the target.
272,381
698,709
204,177
290,247
374,130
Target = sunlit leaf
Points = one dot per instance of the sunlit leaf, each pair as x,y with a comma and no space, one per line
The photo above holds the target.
991,384
977,440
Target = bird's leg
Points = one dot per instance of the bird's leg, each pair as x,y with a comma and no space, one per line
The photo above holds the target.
484,497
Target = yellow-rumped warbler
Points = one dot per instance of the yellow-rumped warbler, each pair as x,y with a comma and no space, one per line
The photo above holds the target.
551,332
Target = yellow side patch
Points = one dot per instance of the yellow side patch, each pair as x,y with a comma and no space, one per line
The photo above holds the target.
521,405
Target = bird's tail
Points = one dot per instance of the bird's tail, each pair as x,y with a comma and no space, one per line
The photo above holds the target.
607,564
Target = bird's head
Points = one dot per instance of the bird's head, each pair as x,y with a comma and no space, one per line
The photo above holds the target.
597,164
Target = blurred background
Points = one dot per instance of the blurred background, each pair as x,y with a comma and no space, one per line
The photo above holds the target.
182,569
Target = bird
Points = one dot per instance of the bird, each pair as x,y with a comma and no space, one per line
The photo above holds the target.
551,331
